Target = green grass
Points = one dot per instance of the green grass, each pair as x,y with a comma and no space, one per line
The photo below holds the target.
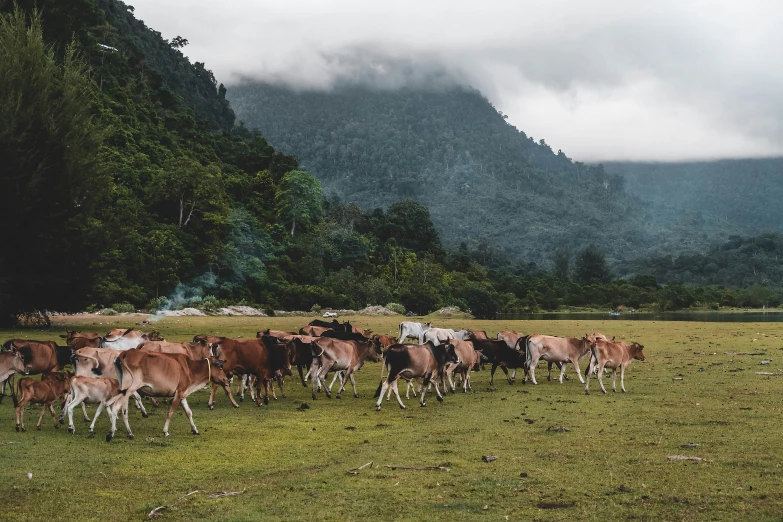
610,465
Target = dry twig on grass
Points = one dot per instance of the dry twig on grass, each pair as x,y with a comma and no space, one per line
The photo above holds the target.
685,457
223,494
155,513
355,471
421,468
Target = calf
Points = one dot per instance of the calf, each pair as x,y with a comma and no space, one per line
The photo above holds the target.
497,354
91,390
469,358
162,375
99,362
52,386
413,361
557,350
336,355
608,354
384,340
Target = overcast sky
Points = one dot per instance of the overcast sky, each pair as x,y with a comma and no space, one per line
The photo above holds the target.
599,79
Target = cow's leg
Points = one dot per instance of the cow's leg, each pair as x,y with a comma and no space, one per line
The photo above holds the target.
40,417
353,385
492,374
174,404
508,377
20,416
588,373
73,402
243,387
54,415
423,389
410,388
437,392
343,380
601,377
139,405
466,380
314,372
301,375
321,376
549,370
450,373
384,388
578,371
397,393
267,386
280,381
124,411
614,380
337,375
98,411
211,401
84,413
189,413
532,369
562,371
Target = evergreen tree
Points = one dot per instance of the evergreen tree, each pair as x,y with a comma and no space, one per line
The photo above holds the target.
591,266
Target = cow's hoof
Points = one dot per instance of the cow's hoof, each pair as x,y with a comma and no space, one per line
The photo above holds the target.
131,436
145,414
71,430
56,426
195,432
38,428
109,436
423,404
235,405
378,407
604,391
440,399
355,395
402,407
165,433
211,406
266,400
241,399
587,392
91,435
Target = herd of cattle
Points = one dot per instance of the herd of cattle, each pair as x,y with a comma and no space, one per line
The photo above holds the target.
110,370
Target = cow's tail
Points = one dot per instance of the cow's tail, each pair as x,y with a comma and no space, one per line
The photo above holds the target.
593,357
14,394
98,368
400,334
528,357
119,362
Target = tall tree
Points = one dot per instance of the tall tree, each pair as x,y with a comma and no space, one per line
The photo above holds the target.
562,263
299,200
591,266
50,177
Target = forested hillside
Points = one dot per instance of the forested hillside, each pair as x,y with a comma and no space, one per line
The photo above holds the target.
745,193
484,181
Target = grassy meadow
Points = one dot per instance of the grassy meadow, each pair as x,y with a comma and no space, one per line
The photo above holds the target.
291,462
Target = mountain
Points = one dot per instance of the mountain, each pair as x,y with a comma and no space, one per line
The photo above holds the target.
744,193
485,182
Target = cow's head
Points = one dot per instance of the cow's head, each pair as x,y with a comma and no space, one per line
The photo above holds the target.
451,354
214,349
201,349
636,351
426,326
17,363
217,374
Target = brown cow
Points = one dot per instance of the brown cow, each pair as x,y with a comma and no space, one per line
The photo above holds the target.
469,358
162,375
384,340
263,358
608,354
195,350
280,334
10,364
313,331
557,350
52,386
39,357
414,361
478,336
509,337
78,340
335,355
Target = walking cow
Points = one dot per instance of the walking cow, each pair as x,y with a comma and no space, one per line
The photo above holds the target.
413,330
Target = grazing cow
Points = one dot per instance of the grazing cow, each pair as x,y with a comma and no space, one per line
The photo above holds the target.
468,359
498,353
91,390
78,340
413,330
99,362
333,354
52,386
10,364
128,339
414,361
441,335
280,334
384,340
162,375
313,331
557,350
608,354
195,350
264,358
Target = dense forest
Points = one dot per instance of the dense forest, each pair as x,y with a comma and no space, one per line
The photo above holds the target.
128,184
484,181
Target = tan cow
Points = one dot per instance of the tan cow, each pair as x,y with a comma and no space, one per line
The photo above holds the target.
335,355
556,350
92,390
468,359
313,331
195,350
607,354
52,386
119,339
99,362
162,375
10,363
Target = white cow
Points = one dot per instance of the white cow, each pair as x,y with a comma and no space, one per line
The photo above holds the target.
413,330
128,340
439,335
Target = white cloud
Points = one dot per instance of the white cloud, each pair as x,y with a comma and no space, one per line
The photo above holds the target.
605,79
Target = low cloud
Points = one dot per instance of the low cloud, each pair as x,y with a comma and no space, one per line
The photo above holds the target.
600,80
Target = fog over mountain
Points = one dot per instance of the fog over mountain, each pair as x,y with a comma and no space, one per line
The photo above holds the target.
602,80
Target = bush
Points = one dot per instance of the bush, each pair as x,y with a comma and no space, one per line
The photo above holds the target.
123,308
316,308
158,303
210,303
107,311
396,307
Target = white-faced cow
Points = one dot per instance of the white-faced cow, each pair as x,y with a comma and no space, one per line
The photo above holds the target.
414,361
413,330
608,354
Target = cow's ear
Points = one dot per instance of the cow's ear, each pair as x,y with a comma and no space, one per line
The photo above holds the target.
613,338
